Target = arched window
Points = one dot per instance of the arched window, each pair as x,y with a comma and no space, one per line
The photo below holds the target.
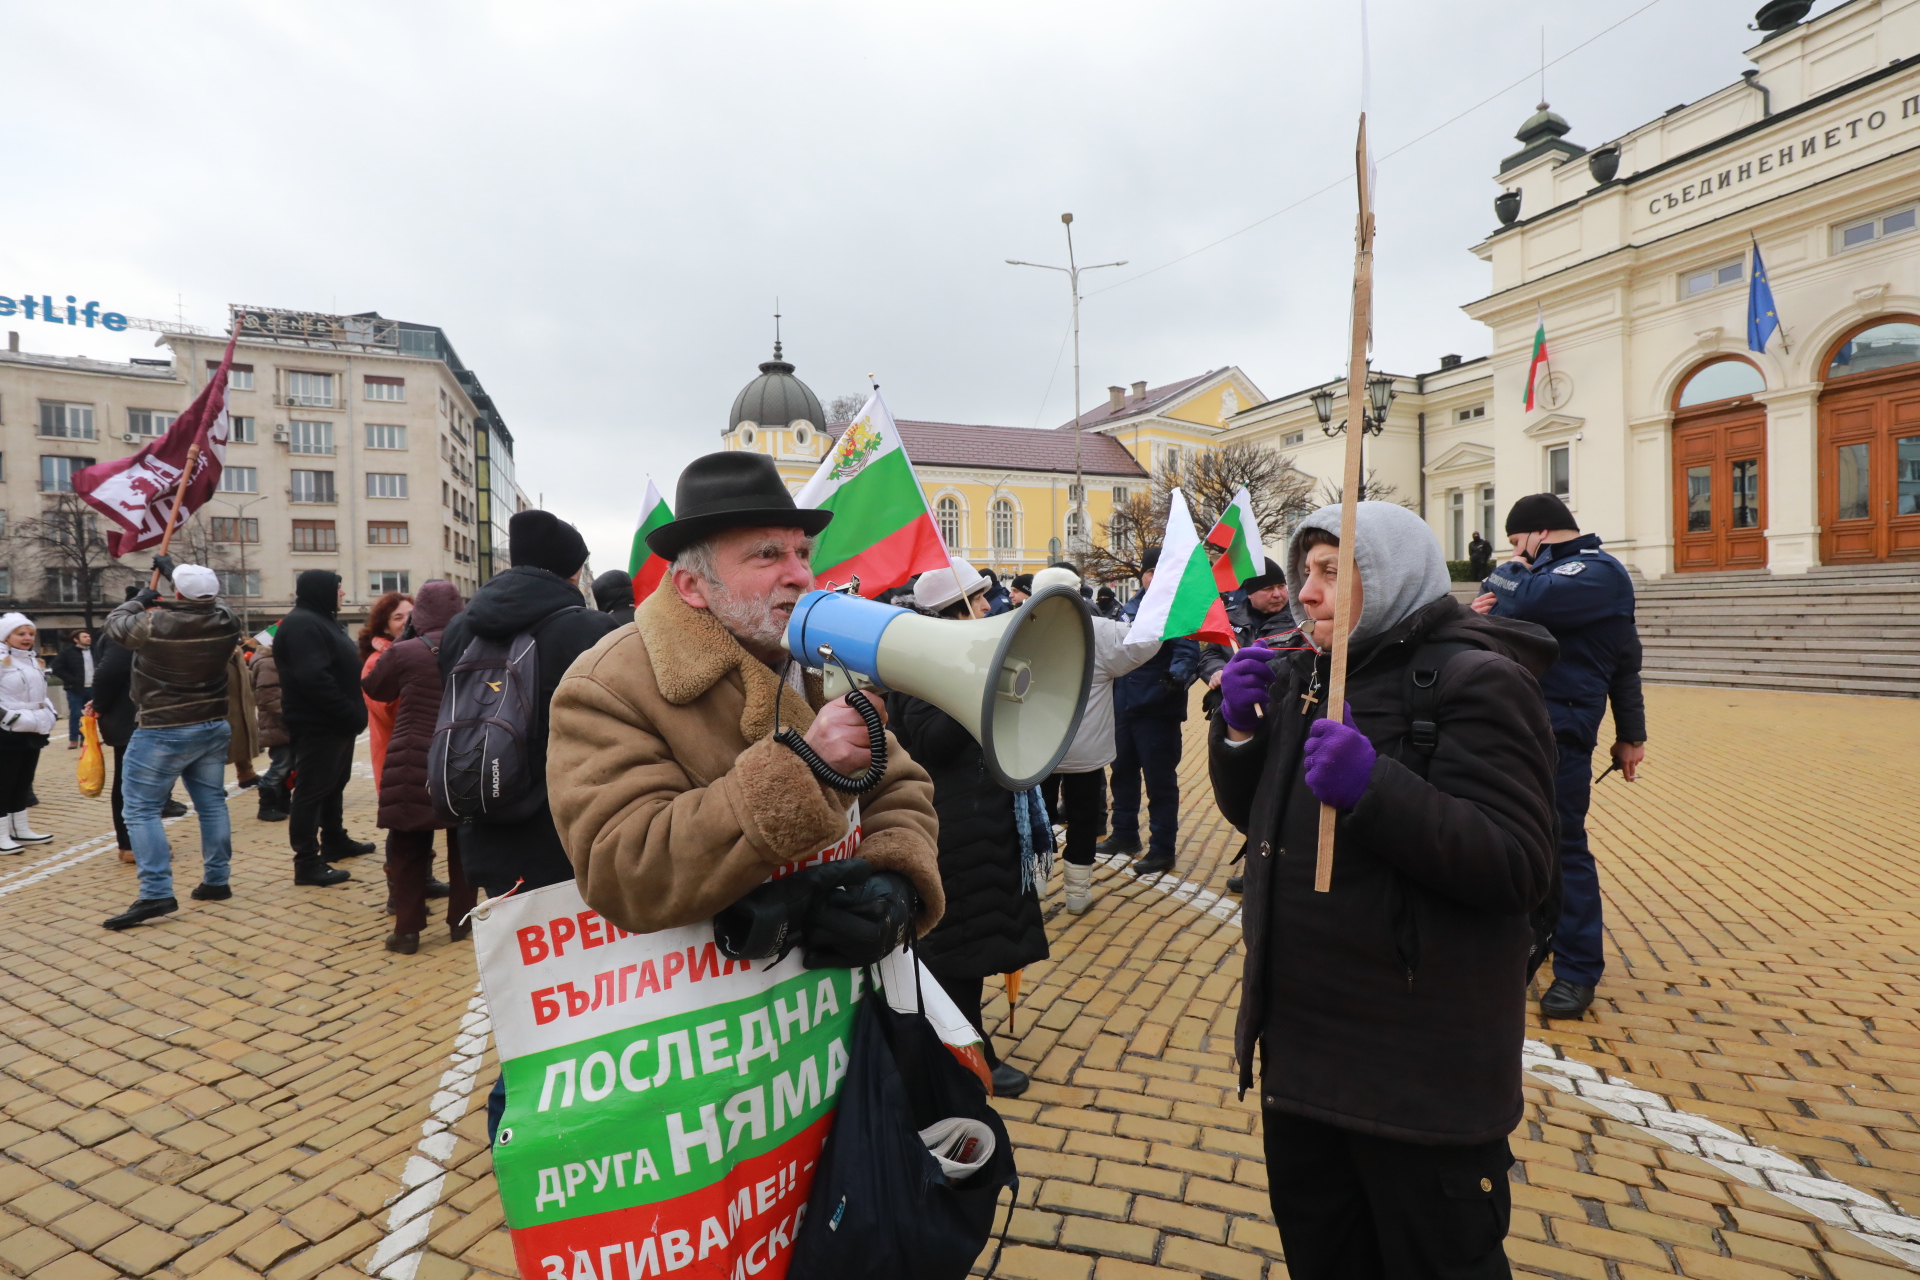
1003,524
801,435
947,516
1073,526
1881,347
1721,380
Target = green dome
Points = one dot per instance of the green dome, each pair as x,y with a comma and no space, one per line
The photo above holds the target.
776,398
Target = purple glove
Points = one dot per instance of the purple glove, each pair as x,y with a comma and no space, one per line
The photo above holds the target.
1244,688
1339,762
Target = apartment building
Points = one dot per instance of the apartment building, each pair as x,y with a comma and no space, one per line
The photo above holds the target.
357,447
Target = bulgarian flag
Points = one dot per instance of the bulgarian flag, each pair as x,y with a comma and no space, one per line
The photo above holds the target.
882,532
647,568
1237,538
1539,356
1183,599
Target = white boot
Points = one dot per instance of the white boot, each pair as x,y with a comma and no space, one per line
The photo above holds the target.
7,843
1079,888
22,832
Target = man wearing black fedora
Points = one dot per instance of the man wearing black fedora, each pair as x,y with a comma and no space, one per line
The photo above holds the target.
670,793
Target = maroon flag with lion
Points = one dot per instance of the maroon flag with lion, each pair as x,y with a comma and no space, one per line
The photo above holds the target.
136,493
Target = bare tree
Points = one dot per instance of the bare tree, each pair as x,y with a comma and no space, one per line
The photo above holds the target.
1281,493
843,408
64,549
1372,489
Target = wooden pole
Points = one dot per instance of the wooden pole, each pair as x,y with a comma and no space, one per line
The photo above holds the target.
173,516
1343,613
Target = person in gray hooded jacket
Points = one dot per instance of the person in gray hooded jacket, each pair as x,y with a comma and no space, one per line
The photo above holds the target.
1389,1012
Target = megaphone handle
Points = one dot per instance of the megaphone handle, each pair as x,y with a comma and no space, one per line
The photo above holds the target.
826,773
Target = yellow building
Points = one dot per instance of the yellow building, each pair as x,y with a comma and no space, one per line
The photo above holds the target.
1004,497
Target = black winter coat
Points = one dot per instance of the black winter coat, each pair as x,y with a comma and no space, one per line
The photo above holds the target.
991,924
1395,1005
70,668
113,692
318,665
523,598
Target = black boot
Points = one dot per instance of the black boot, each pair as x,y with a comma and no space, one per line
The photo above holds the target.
312,869
341,845
1009,1081
1565,999
438,888
212,892
272,807
405,944
1117,844
145,909
1236,884
1154,864
173,809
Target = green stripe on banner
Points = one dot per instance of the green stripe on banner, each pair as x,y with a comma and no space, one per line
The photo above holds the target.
1239,552
878,502
1196,594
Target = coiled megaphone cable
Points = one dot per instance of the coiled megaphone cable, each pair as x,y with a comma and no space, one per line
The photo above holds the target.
824,772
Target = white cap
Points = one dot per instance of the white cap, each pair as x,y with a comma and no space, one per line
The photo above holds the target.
1055,576
12,622
938,588
195,581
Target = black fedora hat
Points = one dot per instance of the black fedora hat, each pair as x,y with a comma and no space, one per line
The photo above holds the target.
731,490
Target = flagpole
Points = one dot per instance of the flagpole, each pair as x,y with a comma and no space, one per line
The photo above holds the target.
1350,490
173,516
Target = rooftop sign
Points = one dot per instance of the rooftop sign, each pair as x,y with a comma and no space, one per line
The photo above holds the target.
73,312
311,326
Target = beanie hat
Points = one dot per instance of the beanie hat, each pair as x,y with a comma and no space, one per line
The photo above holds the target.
1539,513
1022,582
1149,559
195,582
1273,575
1055,576
12,622
545,541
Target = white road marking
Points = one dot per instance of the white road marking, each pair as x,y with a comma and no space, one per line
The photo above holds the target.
1825,1197
425,1177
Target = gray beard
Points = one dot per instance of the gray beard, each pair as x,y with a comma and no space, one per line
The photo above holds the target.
752,622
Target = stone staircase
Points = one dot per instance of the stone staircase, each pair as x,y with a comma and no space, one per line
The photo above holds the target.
1835,630
1838,630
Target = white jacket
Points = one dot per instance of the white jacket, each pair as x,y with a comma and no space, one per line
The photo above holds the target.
1113,657
24,705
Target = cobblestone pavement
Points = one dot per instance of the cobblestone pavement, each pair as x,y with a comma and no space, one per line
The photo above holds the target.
256,1087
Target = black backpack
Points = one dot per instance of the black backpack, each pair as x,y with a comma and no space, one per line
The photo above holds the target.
1423,737
480,763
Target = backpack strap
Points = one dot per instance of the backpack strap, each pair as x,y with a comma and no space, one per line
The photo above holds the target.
1423,698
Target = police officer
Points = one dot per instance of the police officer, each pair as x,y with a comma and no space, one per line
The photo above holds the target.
1149,707
1562,580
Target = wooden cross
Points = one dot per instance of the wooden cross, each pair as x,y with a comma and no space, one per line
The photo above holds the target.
1307,700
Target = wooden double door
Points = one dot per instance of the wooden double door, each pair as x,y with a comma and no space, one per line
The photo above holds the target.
1870,468
1720,496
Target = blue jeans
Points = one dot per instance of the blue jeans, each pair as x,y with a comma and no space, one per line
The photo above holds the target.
77,700
197,755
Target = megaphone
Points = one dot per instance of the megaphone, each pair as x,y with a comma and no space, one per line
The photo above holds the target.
1018,682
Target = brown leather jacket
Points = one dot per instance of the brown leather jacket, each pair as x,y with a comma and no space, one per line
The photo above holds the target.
265,674
180,651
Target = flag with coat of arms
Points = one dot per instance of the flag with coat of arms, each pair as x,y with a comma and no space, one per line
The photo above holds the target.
882,532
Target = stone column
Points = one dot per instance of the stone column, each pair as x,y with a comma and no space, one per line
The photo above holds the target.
1650,495
1793,478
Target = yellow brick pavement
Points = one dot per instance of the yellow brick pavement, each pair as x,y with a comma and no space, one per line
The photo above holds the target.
240,1090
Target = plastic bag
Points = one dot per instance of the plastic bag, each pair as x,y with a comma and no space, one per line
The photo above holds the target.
93,763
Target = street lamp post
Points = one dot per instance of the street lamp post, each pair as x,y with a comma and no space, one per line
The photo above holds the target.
1373,414
1072,271
240,535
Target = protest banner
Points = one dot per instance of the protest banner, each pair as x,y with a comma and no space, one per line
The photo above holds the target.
665,1105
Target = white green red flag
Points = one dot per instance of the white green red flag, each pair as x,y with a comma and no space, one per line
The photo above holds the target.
646,568
1183,599
882,532
1539,360
666,1106
1236,536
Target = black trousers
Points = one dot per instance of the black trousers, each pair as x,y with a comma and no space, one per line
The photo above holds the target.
119,804
1354,1207
1579,941
1080,801
968,993
1148,747
18,760
323,762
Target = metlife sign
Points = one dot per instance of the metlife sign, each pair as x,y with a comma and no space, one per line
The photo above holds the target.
73,312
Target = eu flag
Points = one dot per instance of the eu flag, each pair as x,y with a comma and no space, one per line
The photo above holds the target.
1761,318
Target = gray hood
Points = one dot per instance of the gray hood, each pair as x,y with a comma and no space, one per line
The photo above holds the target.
1401,568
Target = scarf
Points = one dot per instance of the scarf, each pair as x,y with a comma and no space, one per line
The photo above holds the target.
1036,840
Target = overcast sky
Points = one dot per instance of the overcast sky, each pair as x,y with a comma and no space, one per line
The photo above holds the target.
600,201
